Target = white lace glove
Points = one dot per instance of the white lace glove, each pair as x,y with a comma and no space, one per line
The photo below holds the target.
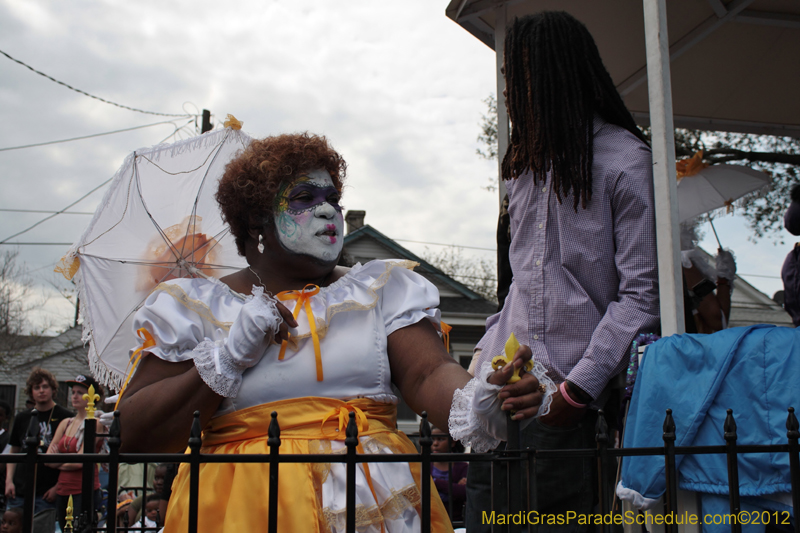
221,364
107,418
476,419
726,265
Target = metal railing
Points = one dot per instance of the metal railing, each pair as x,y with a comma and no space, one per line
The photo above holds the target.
518,465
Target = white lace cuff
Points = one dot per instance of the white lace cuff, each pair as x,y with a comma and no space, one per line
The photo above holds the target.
217,368
265,305
464,424
476,419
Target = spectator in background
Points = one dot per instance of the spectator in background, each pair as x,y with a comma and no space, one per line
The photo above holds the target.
790,273
151,513
41,386
449,480
69,439
12,521
707,289
5,413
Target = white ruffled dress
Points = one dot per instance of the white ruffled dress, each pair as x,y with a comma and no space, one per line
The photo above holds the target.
354,316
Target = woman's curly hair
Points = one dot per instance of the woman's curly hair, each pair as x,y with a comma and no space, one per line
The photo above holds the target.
38,375
247,189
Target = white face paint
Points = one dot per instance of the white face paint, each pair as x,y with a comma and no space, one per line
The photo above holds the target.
308,218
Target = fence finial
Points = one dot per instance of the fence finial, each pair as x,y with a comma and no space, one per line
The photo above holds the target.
91,397
601,428
669,426
274,431
32,437
351,433
69,516
730,426
115,430
425,430
792,426
194,439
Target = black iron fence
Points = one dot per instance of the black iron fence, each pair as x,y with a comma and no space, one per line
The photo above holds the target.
517,464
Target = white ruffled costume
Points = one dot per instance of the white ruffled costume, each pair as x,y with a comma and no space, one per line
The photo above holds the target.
190,319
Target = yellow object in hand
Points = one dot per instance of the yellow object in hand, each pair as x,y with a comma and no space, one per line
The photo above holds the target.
499,361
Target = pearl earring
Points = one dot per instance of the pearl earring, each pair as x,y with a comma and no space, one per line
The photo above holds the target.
260,243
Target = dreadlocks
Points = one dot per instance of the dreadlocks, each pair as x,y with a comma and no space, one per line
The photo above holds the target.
555,83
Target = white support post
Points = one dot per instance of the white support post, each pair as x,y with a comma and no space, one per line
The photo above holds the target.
665,185
500,14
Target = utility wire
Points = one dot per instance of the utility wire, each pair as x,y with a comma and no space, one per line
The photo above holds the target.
4,241
91,95
451,245
45,212
85,136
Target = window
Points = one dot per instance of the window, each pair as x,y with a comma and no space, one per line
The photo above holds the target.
8,394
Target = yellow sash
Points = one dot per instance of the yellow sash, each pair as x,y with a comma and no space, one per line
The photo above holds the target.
233,497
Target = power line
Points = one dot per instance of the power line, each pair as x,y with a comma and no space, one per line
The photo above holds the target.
85,136
4,241
46,212
91,95
760,276
451,245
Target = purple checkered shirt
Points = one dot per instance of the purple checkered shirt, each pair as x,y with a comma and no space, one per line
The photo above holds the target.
586,283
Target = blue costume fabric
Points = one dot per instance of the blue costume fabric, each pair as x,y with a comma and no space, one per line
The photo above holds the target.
755,371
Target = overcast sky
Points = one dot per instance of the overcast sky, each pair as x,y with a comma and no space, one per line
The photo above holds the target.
396,86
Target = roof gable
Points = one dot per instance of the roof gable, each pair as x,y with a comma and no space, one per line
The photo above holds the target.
369,243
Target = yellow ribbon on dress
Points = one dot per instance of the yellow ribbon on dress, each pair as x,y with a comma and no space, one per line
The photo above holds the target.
149,342
343,413
303,298
446,328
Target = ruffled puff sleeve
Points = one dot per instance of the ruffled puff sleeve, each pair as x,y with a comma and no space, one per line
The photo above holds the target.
184,329
408,298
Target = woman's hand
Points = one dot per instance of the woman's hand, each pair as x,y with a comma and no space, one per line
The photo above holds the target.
524,396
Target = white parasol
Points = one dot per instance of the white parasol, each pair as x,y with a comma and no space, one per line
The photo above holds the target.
703,188
158,221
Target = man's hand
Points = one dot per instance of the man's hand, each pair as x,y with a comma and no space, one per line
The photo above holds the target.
11,491
563,414
524,396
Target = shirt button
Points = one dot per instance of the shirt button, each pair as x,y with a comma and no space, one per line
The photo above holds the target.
540,226
544,189
538,262
536,337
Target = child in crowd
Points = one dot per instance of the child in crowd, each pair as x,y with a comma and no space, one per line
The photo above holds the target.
151,516
12,521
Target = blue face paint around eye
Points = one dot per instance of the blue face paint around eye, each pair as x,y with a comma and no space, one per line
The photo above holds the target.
308,195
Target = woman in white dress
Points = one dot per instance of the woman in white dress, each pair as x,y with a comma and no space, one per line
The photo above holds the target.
235,352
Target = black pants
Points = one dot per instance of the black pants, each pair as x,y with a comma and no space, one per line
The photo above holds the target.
562,484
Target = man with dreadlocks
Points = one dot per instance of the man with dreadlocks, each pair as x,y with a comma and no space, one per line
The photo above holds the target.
583,251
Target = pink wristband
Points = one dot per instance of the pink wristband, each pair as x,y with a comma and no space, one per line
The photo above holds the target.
565,394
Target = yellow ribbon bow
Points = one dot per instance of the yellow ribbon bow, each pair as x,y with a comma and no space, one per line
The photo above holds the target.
446,329
303,298
232,123
343,413
149,342
690,166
